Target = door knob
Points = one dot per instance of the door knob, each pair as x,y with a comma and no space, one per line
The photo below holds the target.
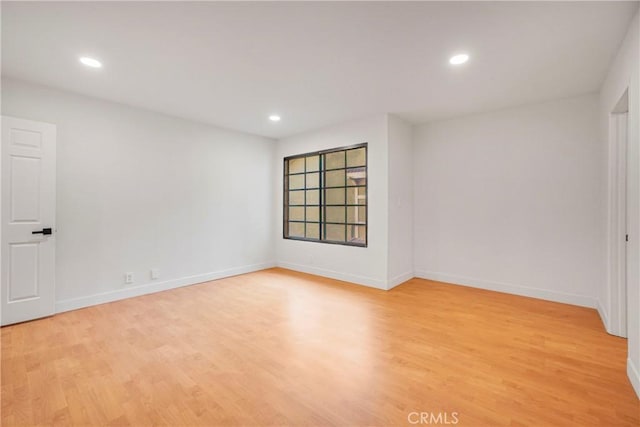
45,231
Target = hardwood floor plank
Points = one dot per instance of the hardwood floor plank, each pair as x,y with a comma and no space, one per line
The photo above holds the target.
283,348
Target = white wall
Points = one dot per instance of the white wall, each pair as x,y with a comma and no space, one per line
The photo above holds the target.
511,201
624,73
400,201
138,190
366,266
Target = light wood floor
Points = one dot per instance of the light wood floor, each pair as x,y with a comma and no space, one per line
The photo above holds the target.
284,348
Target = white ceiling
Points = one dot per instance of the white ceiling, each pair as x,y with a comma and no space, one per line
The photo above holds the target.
234,64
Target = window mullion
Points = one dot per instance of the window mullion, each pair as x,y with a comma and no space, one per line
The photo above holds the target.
321,184
346,198
305,197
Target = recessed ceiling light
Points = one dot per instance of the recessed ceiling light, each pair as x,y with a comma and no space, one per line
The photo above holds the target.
90,62
459,59
274,118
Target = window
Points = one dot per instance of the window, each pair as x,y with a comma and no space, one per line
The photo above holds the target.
325,196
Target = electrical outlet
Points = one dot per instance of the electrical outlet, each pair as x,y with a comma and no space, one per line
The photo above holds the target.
155,273
128,278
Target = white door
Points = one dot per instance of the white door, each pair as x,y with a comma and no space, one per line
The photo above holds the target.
623,134
28,215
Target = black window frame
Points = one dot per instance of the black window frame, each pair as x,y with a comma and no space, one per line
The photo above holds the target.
322,223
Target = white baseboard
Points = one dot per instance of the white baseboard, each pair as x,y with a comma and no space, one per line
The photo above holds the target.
509,288
359,280
110,296
634,376
604,317
399,279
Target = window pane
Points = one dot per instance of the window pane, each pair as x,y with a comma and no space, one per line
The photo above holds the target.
356,176
296,229
296,197
357,234
334,196
356,157
338,180
356,214
296,165
296,181
335,233
313,231
335,214
334,160
296,213
313,214
313,180
313,163
313,197
334,178
357,196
